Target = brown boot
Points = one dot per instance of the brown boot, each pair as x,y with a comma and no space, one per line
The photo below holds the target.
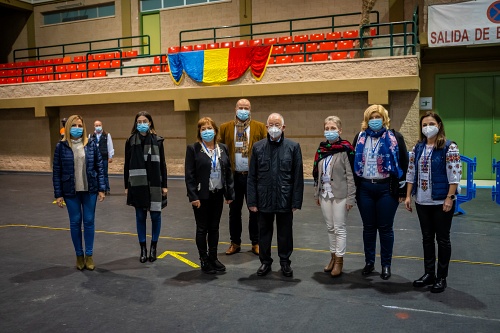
337,266
80,262
233,248
329,267
89,263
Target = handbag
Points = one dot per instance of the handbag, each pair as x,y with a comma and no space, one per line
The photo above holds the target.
164,201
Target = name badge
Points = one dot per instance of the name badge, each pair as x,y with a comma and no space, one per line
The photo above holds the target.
424,176
238,144
372,159
214,175
325,178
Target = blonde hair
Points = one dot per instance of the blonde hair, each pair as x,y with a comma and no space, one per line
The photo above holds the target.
67,129
333,119
207,121
386,121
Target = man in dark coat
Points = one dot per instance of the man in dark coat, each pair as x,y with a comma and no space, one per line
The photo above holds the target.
275,188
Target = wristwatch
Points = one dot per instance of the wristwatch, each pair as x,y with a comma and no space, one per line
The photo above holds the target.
452,197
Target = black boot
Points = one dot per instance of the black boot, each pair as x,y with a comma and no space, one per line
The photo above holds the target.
144,253
206,266
218,266
152,252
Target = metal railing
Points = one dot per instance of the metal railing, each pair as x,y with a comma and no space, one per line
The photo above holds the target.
62,50
290,30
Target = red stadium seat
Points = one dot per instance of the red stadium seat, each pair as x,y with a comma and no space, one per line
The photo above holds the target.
350,34
93,65
42,78
31,78
241,43
373,31
298,58
48,62
155,69
311,47
174,49
271,61
284,59
40,70
338,55
76,75
27,71
81,67
300,38
64,76
166,69
60,68
270,41
345,44
78,59
115,63
317,37
327,46
186,48
157,60
101,73
320,57
71,68
278,50
334,35
255,42
226,45
144,70
98,57
108,56
49,69
293,48
285,40
38,63
212,46
198,47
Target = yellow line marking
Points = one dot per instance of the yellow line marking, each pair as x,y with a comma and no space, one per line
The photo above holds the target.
177,255
227,243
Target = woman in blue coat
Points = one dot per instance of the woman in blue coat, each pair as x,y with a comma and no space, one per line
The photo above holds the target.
78,182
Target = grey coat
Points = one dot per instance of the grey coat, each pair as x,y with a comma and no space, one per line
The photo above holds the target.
341,178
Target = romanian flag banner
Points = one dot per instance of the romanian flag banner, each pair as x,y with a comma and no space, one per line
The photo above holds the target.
219,65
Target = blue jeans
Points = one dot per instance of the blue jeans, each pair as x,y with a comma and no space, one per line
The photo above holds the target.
81,208
377,208
105,172
140,219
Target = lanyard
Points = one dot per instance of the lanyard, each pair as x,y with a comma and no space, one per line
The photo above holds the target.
213,156
326,163
374,149
427,157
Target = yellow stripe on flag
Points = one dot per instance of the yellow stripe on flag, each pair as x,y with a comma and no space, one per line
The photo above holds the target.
215,65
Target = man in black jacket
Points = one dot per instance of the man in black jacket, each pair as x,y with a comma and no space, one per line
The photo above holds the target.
275,187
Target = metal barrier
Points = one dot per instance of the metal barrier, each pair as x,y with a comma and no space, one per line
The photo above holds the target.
471,187
495,192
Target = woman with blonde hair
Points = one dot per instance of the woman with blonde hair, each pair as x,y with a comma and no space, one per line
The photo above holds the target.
334,189
79,182
209,179
380,164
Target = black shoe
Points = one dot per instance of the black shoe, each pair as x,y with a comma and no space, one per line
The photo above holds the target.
424,280
263,269
152,252
368,269
207,267
144,254
218,266
439,286
386,273
286,270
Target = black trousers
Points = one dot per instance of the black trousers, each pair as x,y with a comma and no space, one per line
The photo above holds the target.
207,224
284,222
235,207
435,225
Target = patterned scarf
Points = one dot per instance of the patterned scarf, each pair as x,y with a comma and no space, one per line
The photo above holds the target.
326,149
144,190
241,136
388,153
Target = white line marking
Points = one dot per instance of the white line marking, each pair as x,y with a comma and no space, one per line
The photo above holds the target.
438,312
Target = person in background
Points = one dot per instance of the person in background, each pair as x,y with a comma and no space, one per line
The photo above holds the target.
380,164
275,189
208,179
239,135
334,190
62,130
145,176
433,177
78,181
105,145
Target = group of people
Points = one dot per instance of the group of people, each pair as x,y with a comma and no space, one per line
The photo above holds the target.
248,160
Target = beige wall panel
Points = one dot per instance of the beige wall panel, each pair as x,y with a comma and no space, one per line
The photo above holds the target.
20,43
78,31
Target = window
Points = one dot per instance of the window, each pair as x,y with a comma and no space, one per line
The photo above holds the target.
148,5
78,14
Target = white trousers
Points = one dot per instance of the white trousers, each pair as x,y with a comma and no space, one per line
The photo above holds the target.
335,215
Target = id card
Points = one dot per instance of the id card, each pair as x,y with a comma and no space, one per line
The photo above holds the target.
238,144
214,175
325,178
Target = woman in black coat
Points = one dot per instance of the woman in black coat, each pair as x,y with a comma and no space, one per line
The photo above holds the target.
209,179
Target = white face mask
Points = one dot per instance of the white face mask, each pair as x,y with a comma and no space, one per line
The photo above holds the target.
430,131
274,132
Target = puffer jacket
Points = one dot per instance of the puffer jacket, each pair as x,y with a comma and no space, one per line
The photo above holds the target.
63,167
275,181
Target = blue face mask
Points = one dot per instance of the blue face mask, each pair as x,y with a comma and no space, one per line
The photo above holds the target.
242,114
331,135
98,129
375,124
143,128
208,135
76,132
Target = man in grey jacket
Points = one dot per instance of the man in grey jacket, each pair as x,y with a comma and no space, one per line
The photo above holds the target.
275,188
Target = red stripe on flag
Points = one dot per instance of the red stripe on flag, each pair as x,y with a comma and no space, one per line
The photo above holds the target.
239,60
